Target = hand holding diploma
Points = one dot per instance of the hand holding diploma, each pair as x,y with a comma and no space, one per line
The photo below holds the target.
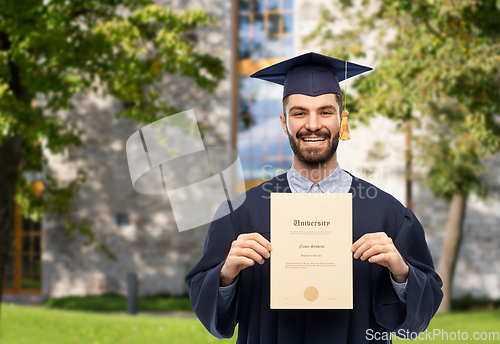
245,251
379,248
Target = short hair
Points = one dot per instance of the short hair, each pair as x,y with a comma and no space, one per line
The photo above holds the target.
338,97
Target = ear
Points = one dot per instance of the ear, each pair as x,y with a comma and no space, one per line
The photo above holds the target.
283,123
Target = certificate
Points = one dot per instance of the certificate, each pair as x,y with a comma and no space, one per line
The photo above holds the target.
311,260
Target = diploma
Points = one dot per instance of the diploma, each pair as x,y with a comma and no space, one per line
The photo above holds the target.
311,260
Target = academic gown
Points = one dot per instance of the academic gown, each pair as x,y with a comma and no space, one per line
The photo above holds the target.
377,308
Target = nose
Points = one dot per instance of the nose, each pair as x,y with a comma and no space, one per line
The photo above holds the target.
313,122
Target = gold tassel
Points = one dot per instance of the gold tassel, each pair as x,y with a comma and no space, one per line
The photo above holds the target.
344,126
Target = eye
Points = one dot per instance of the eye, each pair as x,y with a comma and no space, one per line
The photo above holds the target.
299,114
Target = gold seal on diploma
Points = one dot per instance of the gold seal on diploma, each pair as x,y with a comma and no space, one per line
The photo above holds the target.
311,293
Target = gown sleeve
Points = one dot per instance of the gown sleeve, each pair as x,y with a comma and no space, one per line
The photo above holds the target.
400,289
226,297
423,289
203,280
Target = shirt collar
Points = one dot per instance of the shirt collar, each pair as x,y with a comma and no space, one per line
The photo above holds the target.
299,184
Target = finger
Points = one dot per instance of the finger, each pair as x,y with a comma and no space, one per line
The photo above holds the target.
257,247
233,266
251,244
261,240
242,261
358,243
363,248
249,253
366,237
380,240
381,259
376,249
256,241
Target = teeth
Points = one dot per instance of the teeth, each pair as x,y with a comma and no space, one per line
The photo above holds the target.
316,139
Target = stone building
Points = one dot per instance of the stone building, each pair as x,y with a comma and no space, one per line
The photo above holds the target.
141,230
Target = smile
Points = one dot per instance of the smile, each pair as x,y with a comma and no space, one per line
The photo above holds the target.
313,141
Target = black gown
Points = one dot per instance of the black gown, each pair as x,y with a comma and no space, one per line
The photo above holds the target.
376,306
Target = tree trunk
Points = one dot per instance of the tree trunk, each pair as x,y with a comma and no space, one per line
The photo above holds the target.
408,167
10,157
452,240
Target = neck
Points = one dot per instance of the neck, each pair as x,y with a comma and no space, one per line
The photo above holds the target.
315,173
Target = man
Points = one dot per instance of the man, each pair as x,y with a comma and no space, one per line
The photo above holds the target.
395,287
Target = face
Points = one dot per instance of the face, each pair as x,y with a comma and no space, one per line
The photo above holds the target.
312,125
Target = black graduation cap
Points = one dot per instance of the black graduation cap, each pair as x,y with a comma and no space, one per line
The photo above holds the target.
311,74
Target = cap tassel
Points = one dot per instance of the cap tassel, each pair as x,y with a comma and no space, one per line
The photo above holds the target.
344,126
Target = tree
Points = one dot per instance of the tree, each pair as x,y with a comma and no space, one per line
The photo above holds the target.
58,48
438,68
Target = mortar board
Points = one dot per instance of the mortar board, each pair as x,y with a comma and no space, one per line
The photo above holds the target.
311,74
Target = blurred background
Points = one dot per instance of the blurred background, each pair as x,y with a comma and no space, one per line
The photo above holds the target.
423,128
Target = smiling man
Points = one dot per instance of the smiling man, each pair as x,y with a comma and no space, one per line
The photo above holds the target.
310,123
395,286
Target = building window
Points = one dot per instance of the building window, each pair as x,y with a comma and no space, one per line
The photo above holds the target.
265,29
265,37
23,272
122,219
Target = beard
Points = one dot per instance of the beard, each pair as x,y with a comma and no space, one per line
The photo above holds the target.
314,156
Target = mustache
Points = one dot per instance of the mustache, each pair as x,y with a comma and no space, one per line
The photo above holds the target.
319,133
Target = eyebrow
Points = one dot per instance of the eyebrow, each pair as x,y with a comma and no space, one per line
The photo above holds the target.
324,107
295,107
327,107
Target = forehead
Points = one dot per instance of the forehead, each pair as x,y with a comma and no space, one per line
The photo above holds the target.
310,102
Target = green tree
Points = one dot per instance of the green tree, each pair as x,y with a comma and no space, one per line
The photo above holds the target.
437,67
58,48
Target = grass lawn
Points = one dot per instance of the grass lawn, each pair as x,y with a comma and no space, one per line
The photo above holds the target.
469,322
27,325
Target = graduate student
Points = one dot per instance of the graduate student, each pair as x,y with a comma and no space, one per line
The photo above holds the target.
395,286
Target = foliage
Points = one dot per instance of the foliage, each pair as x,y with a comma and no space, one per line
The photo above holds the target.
468,302
117,303
438,64
55,49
